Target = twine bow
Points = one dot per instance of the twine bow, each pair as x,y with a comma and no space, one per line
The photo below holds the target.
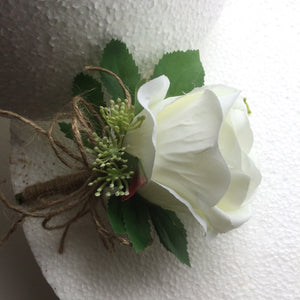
78,195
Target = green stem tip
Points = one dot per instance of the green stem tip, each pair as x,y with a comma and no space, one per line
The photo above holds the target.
248,108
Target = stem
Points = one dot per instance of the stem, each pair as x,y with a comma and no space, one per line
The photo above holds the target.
60,184
248,108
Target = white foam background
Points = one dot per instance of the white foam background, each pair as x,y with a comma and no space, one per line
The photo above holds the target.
253,46
50,41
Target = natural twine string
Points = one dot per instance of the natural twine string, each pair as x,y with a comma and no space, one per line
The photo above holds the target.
72,191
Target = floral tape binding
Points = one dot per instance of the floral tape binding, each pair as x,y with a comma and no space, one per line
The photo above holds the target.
77,191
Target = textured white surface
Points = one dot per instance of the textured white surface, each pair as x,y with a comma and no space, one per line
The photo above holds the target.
254,47
17,252
44,43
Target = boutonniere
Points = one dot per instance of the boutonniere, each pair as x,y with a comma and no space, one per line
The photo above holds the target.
146,150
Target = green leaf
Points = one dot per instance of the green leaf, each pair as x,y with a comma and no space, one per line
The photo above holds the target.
132,161
66,128
136,219
89,88
171,232
117,59
183,69
115,214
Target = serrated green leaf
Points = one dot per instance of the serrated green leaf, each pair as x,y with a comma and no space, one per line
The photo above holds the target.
136,219
66,128
89,88
171,232
115,214
117,59
184,70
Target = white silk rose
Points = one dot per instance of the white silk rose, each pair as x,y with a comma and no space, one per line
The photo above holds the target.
195,153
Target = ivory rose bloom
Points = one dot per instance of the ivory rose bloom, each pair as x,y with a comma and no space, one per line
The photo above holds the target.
194,149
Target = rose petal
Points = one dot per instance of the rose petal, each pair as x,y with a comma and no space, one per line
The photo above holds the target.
237,191
222,221
251,170
141,142
226,95
235,142
229,146
167,198
234,149
187,157
240,123
152,94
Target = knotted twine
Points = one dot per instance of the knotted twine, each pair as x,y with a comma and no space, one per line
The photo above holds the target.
77,194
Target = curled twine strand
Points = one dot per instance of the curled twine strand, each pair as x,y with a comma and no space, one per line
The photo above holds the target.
76,193
126,93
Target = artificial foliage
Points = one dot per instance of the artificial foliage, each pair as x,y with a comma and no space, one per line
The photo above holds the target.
129,213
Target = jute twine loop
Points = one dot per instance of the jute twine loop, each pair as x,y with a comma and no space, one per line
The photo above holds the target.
72,192
126,93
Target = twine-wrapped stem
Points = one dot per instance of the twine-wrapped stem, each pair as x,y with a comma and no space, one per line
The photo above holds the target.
73,192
